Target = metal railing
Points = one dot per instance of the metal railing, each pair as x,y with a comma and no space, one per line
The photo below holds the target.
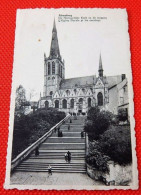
15,162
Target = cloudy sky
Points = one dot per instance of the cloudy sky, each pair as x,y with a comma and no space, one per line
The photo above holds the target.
80,44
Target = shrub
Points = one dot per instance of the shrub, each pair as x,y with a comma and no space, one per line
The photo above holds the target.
116,143
122,114
29,128
96,158
97,122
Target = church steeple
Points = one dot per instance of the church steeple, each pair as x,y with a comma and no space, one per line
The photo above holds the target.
100,67
54,49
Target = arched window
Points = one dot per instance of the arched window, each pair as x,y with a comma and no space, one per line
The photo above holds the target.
53,78
64,103
51,92
83,91
80,104
72,103
100,99
48,78
75,91
56,103
61,71
46,104
68,92
48,68
53,67
81,100
89,102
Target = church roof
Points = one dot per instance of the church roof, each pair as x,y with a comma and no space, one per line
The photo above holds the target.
113,80
89,80
78,82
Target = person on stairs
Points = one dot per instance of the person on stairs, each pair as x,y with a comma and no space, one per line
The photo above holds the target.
82,134
69,156
66,157
50,170
68,127
37,151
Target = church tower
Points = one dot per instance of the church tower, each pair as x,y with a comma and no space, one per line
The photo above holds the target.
100,67
54,69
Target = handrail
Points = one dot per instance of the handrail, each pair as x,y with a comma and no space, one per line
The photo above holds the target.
31,148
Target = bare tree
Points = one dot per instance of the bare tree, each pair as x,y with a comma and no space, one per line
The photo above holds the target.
20,101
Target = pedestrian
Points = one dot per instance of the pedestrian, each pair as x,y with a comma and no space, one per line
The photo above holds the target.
37,151
58,133
66,157
50,170
61,134
69,156
82,134
68,127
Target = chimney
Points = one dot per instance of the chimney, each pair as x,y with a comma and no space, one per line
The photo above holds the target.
123,76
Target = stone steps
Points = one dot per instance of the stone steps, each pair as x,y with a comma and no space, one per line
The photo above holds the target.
65,140
52,151
54,170
67,146
50,161
69,134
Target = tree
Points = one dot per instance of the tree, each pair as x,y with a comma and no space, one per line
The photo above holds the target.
122,114
97,122
116,143
20,101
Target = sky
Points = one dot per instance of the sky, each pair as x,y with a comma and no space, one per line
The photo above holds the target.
80,44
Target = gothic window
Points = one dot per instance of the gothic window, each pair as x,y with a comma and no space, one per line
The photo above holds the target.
61,71
89,102
51,92
64,103
48,68
100,99
75,91
81,100
53,67
68,92
80,103
53,78
72,103
46,104
83,90
56,103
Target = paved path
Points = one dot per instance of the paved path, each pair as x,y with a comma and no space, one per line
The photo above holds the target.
35,178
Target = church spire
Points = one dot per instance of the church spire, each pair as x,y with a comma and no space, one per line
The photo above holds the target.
54,49
100,67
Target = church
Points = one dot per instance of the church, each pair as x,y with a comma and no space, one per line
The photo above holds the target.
77,95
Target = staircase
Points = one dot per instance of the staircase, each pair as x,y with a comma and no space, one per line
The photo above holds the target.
52,151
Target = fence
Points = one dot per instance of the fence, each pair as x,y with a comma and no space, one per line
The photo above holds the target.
31,148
